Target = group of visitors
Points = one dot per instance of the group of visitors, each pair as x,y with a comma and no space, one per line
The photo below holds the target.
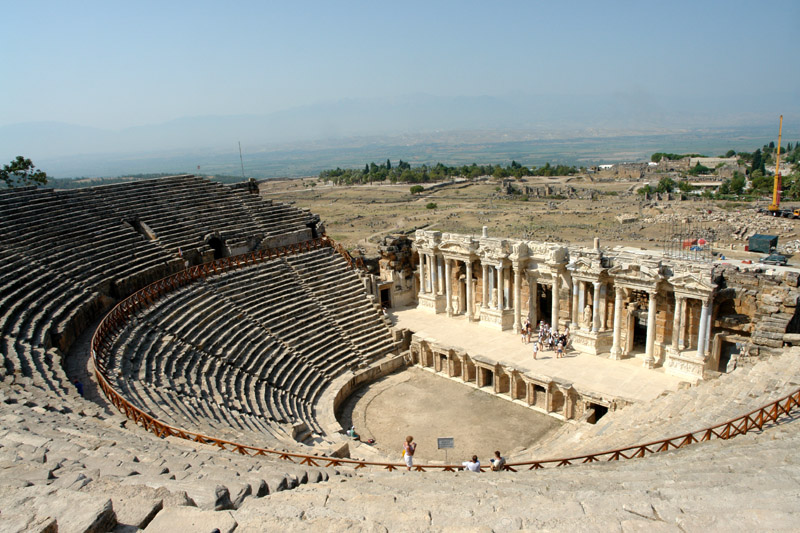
548,338
473,465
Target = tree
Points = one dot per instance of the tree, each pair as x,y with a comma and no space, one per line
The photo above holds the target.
500,172
761,183
730,153
758,162
665,184
737,183
416,189
388,164
698,169
431,205
21,172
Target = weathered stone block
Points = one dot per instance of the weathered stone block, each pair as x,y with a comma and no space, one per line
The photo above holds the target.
191,519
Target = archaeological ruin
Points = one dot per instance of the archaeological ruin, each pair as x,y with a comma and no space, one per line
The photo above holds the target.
175,354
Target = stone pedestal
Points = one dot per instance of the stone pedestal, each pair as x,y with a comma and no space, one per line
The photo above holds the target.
684,364
591,342
434,302
500,319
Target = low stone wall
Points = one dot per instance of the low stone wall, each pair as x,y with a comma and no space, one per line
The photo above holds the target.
546,394
341,389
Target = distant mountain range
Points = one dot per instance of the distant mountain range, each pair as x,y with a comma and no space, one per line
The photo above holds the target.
351,131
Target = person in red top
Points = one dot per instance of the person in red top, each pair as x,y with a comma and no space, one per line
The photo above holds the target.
409,447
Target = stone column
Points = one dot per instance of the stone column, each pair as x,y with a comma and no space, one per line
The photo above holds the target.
470,298
432,264
581,302
439,273
421,273
708,325
485,286
616,352
702,335
533,290
603,306
682,325
575,306
492,286
596,307
555,300
676,323
517,298
649,359
447,282
500,287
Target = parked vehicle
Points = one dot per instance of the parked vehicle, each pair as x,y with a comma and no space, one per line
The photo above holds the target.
773,259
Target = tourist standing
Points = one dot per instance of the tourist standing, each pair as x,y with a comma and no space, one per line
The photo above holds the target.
409,447
535,349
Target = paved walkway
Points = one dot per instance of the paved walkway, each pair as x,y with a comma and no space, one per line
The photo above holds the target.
621,379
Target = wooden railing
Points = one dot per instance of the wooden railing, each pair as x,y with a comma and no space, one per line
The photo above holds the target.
772,413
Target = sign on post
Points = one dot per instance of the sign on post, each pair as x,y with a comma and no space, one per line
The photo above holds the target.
446,442
443,443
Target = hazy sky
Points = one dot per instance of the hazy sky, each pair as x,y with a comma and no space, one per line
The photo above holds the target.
119,64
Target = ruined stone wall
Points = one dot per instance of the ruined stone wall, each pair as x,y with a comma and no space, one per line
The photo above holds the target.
397,264
758,306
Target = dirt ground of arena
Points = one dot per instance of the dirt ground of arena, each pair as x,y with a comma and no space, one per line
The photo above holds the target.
418,403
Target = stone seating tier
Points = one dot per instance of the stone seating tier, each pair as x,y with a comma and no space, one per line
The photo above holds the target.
706,404
72,466
252,347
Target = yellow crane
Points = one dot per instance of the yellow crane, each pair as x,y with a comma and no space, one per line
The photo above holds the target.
775,206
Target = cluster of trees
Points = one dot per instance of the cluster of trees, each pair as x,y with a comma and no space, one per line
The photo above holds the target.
658,156
404,173
21,172
666,184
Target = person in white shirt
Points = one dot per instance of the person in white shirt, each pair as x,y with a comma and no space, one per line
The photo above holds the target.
472,466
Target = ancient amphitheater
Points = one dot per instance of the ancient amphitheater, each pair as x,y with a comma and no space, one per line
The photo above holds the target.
215,334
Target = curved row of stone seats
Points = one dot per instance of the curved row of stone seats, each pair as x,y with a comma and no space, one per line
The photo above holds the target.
676,413
748,483
246,354
77,469
274,218
203,391
65,256
72,233
277,302
182,211
33,303
339,292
